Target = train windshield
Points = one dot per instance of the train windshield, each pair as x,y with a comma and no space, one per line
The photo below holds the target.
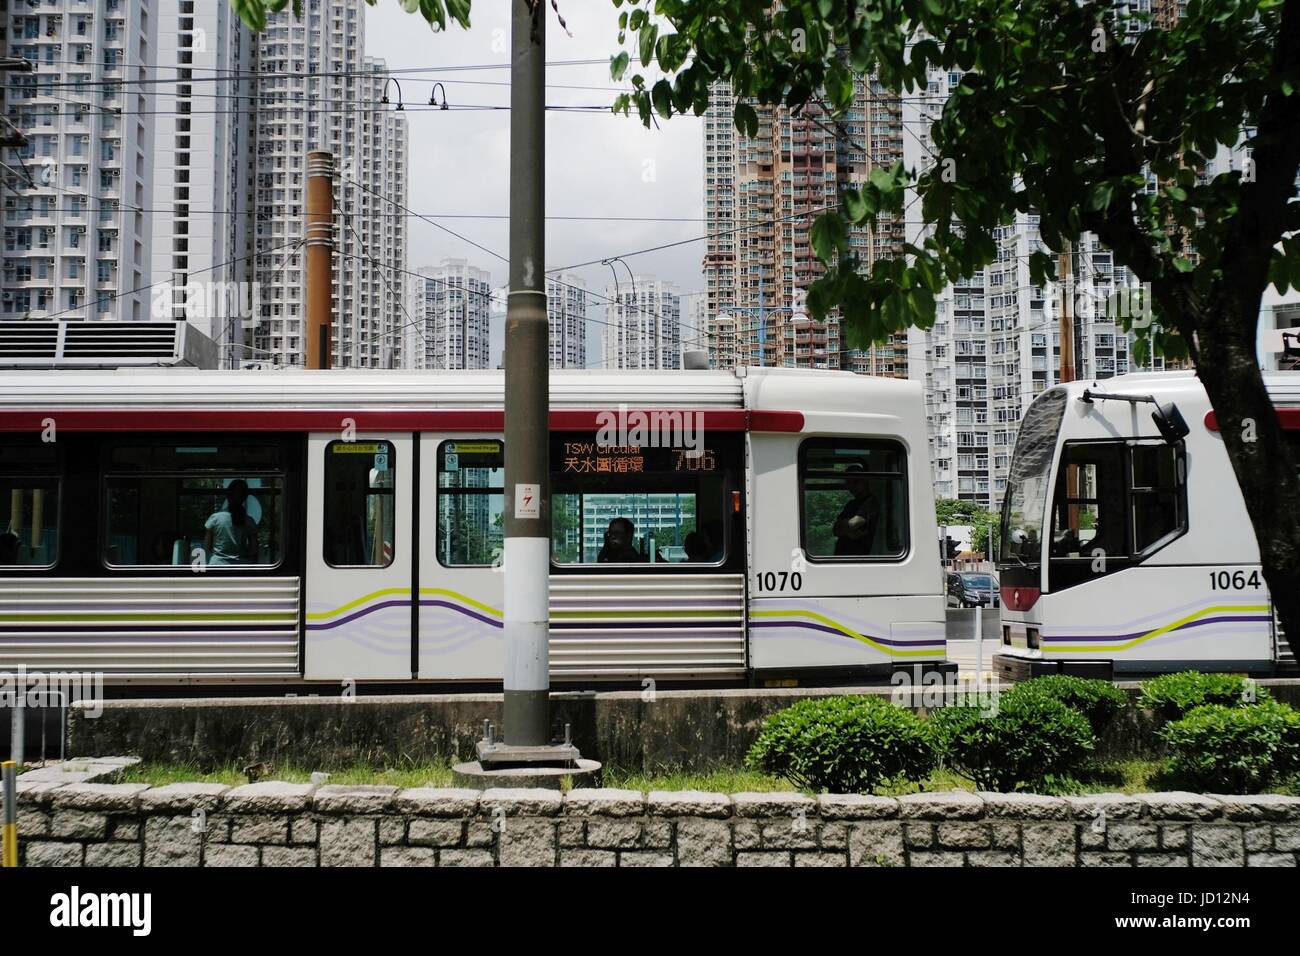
1024,506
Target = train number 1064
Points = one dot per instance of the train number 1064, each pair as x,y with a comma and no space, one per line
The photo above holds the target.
1234,580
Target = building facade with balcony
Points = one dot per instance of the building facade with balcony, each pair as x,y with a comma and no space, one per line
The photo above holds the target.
77,211
566,313
449,307
319,91
643,325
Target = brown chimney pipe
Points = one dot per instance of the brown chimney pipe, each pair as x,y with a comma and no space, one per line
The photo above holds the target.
319,240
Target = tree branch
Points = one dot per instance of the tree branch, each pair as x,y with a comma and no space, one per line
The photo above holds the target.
1265,211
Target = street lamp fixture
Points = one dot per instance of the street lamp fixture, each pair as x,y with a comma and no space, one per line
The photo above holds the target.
384,98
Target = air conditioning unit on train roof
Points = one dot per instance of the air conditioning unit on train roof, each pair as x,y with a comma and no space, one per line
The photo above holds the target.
35,344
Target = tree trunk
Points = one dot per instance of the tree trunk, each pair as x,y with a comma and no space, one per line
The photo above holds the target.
1255,442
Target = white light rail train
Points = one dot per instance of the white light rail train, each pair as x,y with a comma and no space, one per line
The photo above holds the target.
176,527
1126,547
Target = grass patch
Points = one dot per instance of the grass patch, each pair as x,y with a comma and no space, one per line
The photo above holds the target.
1123,776
420,775
717,781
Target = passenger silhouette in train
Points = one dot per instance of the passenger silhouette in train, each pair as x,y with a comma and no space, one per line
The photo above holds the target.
9,544
231,535
697,546
618,547
855,528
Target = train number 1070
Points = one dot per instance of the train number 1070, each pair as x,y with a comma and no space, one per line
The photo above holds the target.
1234,580
779,580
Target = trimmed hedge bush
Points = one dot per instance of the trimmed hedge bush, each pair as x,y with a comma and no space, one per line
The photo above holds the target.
1032,740
843,744
1173,696
1099,701
1235,749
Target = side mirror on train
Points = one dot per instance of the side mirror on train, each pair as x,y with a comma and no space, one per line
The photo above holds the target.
1169,420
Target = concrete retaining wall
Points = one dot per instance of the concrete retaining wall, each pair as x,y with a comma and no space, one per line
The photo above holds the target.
281,824
676,730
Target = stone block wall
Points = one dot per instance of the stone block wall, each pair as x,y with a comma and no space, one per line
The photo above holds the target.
283,824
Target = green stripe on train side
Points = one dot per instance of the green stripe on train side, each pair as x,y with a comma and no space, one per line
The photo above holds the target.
1126,645
846,631
406,593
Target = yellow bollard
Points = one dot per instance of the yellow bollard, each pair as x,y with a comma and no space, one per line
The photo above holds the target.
10,772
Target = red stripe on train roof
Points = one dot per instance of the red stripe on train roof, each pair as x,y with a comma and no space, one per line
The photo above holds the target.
1288,417
313,419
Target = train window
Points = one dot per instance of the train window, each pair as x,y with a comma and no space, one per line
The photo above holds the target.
1090,502
1117,499
853,499
31,531
1156,501
471,499
218,505
642,504
360,524
29,496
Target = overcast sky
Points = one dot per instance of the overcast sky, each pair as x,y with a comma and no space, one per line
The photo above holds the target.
597,164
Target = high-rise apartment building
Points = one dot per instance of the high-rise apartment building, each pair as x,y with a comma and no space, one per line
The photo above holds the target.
995,342
449,307
313,92
761,197
694,322
201,242
77,219
643,325
166,153
566,314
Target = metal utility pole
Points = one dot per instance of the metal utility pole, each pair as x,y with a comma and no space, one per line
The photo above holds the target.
527,401
319,240
1066,373
526,745
1065,259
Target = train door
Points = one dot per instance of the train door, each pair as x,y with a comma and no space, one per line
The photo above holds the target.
359,556
843,577
460,595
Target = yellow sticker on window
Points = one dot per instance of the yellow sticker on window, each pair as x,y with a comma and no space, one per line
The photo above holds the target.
474,447
358,448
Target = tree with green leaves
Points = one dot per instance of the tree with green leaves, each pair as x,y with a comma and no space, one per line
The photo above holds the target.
956,511
1061,111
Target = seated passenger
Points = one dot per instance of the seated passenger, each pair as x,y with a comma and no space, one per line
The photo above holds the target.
9,546
618,547
855,528
697,547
